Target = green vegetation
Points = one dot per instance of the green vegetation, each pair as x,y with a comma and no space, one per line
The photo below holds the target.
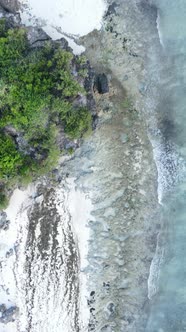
77,122
37,91
3,201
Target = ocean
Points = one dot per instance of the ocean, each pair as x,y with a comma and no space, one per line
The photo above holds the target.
167,311
117,209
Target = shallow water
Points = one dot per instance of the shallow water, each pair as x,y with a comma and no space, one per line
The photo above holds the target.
167,307
115,169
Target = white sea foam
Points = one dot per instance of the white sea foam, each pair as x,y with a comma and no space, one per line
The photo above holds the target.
170,166
154,273
64,18
159,30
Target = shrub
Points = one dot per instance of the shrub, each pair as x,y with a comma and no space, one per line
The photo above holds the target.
77,122
10,158
3,200
37,90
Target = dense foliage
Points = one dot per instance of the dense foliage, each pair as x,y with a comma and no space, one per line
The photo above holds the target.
37,91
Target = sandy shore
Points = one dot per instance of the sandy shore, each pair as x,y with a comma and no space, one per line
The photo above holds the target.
64,18
44,275
87,241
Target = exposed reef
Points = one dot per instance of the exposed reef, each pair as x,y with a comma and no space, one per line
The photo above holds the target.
85,233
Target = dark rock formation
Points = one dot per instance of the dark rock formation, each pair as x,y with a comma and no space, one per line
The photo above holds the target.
11,6
10,131
101,83
111,9
9,253
111,307
36,36
7,315
4,222
106,328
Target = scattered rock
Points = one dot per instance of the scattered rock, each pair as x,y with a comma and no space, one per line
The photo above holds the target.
106,328
7,315
106,285
101,84
64,44
9,253
4,223
111,9
135,55
91,326
91,299
125,43
2,308
111,308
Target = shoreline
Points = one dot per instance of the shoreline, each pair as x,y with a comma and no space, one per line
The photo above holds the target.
114,167
31,253
64,19
133,57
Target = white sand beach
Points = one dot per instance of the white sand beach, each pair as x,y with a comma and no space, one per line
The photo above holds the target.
64,18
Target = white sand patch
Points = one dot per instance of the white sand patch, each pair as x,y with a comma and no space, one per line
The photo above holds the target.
80,207
74,208
9,240
8,328
60,17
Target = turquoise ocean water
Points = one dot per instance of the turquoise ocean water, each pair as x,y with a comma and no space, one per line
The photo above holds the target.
167,309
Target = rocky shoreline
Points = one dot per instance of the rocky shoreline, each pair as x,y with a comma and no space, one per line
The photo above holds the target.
115,171
121,49
81,72
10,6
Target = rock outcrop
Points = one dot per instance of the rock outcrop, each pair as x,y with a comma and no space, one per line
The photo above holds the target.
101,83
11,6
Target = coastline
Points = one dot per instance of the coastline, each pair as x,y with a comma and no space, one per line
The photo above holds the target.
44,260
64,19
113,167
121,51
